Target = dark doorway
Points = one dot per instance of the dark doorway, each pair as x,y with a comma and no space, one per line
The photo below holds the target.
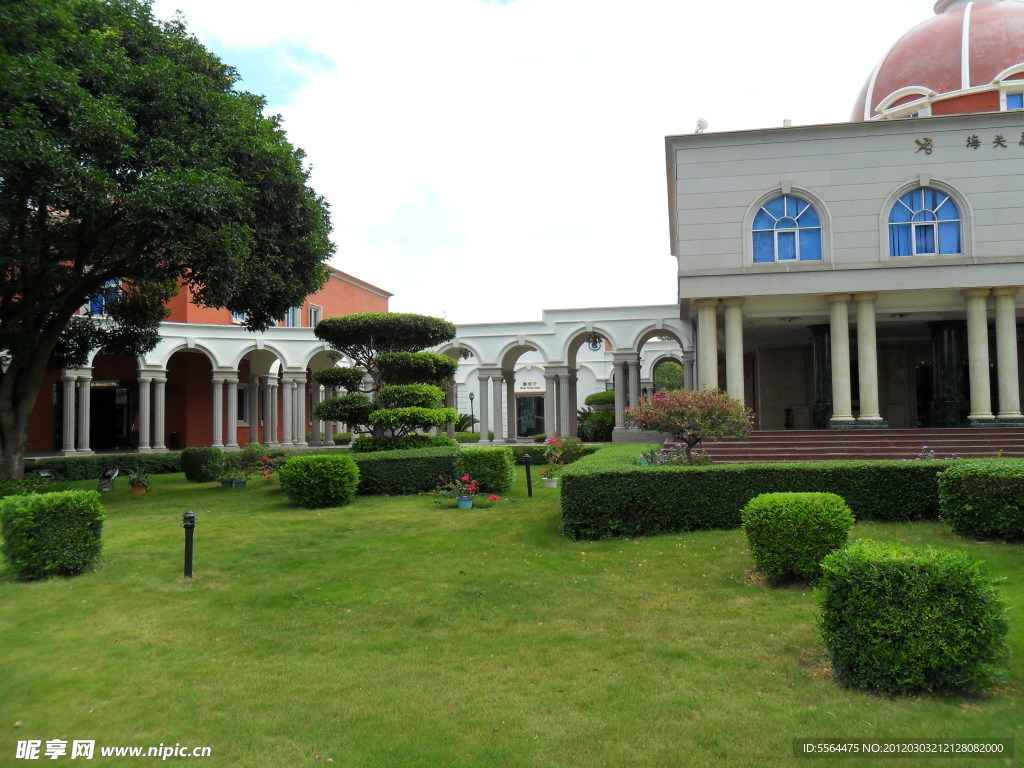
529,415
111,415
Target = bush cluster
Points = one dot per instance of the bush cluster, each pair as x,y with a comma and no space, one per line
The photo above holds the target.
396,473
202,465
28,484
320,480
790,533
72,468
467,437
904,620
597,426
492,468
601,398
609,494
537,453
984,498
53,534
371,443
342,438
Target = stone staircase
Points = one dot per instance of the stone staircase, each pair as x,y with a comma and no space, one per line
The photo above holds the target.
832,445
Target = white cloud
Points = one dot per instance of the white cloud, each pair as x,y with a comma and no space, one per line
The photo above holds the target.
486,160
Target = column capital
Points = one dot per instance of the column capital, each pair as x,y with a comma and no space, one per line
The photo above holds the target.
145,379
977,293
837,298
706,303
1005,290
860,298
734,301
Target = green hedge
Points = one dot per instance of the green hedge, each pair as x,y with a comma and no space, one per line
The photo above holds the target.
601,398
984,498
467,437
202,465
28,484
320,480
71,468
790,533
608,494
493,468
904,620
53,534
372,443
537,453
342,438
395,473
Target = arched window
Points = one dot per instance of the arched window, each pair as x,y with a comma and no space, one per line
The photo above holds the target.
787,229
923,222
106,295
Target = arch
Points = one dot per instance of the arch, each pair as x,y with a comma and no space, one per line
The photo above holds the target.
457,349
260,349
182,345
582,336
667,357
890,102
656,329
513,350
894,234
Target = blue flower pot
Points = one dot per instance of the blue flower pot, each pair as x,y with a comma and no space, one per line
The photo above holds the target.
464,502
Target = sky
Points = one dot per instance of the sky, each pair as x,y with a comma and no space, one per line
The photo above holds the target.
488,159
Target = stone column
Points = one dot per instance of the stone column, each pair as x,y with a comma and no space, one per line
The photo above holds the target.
842,397
270,412
218,412
301,420
321,434
734,347
484,380
232,407
821,354
619,368
550,419
159,413
84,412
574,402
497,415
1006,354
633,366
287,401
689,378
949,386
707,342
867,359
253,404
145,445
70,423
977,354
510,406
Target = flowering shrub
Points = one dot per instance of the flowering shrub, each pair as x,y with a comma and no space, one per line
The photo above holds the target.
559,451
464,486
673,456
692,416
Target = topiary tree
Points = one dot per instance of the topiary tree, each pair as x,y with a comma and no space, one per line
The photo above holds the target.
692,416
389,365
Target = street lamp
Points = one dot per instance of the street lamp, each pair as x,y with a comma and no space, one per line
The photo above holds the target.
472,418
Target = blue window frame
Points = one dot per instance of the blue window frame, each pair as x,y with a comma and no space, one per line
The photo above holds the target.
292,318
104,296
787,229
924,222
1015,100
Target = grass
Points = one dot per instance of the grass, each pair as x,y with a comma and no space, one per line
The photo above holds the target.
395,632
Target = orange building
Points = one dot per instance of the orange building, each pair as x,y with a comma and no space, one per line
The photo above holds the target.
208,382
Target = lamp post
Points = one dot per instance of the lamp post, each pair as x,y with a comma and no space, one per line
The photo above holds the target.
472,418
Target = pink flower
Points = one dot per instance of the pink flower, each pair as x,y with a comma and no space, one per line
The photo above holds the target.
492,497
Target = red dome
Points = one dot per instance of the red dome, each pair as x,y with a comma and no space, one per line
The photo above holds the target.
954,62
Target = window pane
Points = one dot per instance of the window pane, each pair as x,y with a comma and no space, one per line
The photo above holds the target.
949,237
809,218
924,235
776,207
1015,101
900,212
764,246
787,246
948,211
810,245
763,220
924,216
787,223
899,240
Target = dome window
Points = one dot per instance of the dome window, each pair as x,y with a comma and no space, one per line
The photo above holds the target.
924,222
787,228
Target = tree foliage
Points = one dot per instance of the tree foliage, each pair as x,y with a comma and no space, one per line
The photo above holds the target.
128,159
387,348
668,375
692,416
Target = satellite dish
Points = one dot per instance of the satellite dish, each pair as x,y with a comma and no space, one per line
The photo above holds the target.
702,125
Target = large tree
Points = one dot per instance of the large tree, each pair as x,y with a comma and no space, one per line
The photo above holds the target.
128,159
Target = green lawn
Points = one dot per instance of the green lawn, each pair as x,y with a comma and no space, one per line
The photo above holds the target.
394,632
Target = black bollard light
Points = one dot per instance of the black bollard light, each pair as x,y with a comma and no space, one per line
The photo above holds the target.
527,461
188,522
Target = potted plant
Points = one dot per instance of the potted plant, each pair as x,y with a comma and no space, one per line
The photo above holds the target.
462,490
554,453
138,480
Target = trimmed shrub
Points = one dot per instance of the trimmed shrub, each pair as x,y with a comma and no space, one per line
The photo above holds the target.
597,427
53,534
320,480
395,473
28,484
790,533
601,398
537,453
371,443
493,468
202,465
904,620
342,438
984,499
609,494
467,437
71,468
540,437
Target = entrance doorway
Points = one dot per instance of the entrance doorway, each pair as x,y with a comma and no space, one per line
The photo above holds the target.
529,415
111,415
